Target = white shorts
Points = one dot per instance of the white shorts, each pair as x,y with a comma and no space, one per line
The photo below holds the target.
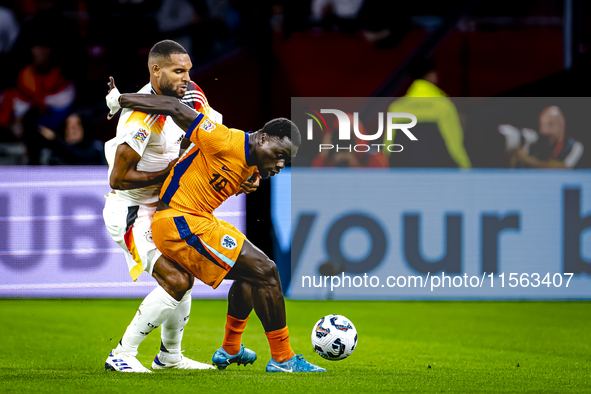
131,227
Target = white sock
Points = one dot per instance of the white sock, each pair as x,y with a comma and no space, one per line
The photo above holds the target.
154,310
173,328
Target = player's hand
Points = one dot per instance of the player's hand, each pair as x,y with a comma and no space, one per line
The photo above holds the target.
112,98
251,184
111,84
171,164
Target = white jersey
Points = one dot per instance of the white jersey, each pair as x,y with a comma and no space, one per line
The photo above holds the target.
156,138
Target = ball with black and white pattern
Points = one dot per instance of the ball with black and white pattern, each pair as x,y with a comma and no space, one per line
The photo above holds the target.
334,337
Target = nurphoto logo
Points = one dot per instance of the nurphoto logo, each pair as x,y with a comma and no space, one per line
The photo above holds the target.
344,122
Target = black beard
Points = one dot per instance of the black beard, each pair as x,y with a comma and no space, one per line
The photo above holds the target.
169,91
167,88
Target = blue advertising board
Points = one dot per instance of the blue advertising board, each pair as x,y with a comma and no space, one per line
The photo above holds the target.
437,234
53,240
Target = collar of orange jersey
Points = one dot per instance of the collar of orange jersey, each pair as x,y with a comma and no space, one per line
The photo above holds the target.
246,146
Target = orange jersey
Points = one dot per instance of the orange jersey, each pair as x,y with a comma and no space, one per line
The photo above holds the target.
211,169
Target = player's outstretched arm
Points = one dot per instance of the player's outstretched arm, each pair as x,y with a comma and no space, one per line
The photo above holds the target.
182,115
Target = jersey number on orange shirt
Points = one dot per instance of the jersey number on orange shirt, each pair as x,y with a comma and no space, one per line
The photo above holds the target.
218,186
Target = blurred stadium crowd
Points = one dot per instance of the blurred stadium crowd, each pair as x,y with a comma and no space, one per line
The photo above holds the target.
56,57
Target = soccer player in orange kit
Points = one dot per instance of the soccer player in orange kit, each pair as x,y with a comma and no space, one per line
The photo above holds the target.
186,231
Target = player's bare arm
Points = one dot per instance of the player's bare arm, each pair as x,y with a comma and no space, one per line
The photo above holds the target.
182,115
125,176
151,104
113,97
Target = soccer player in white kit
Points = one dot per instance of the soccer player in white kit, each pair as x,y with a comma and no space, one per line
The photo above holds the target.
140,157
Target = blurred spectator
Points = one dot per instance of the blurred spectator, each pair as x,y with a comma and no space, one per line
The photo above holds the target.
226,17
41,85
345,9
341,14
384,23
553,148
439,131
176,19
53,23
47,59
9,29
76,146
119,33
348,158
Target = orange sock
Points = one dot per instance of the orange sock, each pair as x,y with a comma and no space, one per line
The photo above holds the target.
280,348
233,337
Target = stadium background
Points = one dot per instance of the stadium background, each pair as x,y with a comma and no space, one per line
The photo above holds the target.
250,61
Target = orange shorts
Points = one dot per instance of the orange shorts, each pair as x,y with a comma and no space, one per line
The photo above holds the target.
204,245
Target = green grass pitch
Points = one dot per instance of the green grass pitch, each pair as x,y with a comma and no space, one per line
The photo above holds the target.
61,345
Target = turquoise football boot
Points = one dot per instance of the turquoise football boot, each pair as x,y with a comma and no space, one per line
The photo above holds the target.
222,359
294,364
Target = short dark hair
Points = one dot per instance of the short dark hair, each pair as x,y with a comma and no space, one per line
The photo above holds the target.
165,49
281,128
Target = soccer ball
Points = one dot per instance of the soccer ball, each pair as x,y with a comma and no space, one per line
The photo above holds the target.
334,337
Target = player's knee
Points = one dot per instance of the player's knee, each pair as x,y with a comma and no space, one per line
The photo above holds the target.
179,284
269,275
